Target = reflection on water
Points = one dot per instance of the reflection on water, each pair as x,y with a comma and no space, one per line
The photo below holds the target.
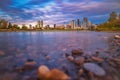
19,46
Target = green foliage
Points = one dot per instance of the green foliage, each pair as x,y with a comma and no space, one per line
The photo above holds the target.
113,24
24,27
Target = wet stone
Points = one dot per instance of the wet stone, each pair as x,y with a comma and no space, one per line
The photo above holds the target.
2,53
70,58
77,52
79,60
95,69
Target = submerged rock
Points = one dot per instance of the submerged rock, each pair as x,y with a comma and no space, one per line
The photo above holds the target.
2,53
97,59
95,69
79,60
70,58
29,65
77,52
117,36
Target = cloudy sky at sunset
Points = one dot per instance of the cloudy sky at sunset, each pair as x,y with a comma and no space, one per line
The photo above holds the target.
57,11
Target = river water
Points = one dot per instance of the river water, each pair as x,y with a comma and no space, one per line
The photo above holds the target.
17,47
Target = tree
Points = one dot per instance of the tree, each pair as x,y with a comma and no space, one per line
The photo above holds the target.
9,25
24,27
3,24
113,17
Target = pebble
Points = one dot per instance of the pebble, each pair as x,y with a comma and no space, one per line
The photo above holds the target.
77,52
117,36
97,59
79,60
94,68
2,53
70,58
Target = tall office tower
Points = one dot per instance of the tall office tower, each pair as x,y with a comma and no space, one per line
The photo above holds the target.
73,24
78,23
89,25
85,23
54,26
40,24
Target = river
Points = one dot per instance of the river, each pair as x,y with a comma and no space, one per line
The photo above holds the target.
17,47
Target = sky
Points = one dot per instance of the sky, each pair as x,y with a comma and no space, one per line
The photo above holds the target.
57,11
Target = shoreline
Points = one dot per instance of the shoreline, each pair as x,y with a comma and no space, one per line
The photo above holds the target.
29,30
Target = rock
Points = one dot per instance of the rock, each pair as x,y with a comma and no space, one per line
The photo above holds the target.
80,72
108,77
97,59
48,57
91,75
42,71
77,52
95,69
79,60
117,36
56,74
70,58
116,59
2,53
29,65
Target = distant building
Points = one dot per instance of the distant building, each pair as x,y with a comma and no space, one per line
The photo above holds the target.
54,26
73,24
78,23
40,24
85,23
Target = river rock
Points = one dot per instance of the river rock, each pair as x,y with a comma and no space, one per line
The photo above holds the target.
48,57
117,36
56,74
94,68
42,71
80,72
97,59
70,58
77,52
79,60
29,65
2,53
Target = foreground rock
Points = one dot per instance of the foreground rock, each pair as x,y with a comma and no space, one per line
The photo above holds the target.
77,52
42,71
45,74
97,70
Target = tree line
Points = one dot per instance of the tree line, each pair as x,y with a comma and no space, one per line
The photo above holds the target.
112,24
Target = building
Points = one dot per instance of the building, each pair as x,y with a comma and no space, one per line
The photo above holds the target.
78,23
40,24
73,24
85,23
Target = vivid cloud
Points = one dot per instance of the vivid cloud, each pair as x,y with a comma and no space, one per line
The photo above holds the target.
57,11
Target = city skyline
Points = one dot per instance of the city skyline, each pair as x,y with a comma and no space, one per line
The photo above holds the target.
57,11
